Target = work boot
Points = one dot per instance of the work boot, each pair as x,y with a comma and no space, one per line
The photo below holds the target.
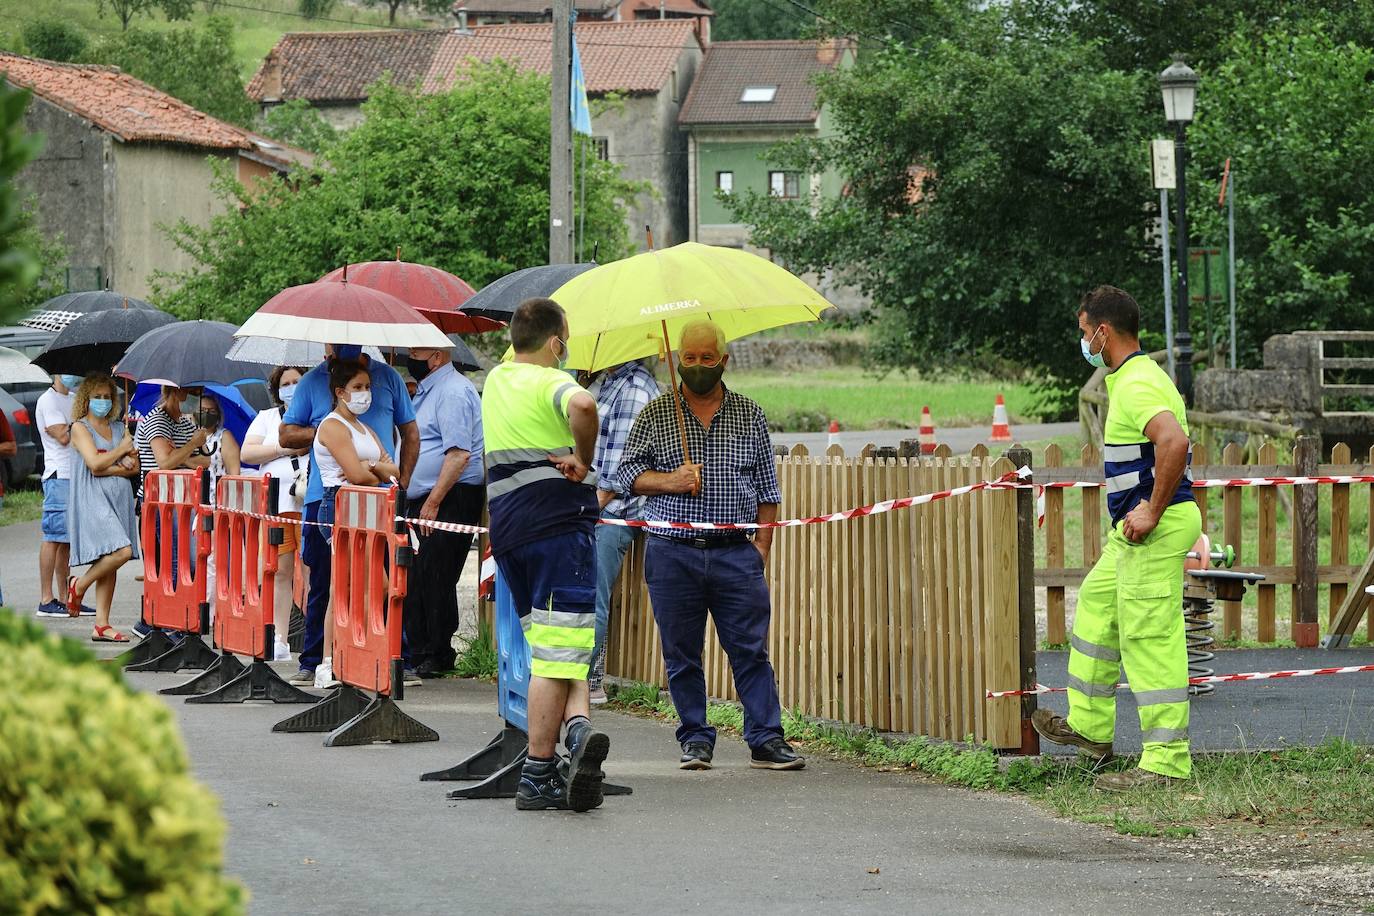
1056,728
587,750
541,787
1133,779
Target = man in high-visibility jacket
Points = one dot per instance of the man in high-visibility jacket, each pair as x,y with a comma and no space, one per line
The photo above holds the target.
1130,605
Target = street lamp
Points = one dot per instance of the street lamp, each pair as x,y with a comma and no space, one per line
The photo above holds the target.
1178,84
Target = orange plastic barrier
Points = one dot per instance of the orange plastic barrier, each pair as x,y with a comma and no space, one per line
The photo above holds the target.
368,588
243,599
174,505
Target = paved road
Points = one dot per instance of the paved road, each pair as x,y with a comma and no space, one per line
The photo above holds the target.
960,440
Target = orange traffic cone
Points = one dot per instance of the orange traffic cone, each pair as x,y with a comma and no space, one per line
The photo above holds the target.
926,432
1001,429
834,438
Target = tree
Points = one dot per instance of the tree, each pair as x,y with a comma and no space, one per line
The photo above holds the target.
299,124
749,20
197,65
422,6
18,266
126,10
314,9
53,39
459,180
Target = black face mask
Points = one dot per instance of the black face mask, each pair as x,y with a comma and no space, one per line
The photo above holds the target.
210,419
701,380
419,368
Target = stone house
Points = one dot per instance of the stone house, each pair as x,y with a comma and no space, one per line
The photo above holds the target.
648,64
501,12
120,159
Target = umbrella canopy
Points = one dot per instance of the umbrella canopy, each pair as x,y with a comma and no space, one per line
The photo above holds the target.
631,309
60,311
499,298
464,360
15,368
276,352
96,341
187,353
434,293
339,311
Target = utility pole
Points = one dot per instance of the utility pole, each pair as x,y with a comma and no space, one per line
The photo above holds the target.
560,137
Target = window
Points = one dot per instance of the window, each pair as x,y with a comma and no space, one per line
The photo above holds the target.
758,93
725,182
783,184
601,146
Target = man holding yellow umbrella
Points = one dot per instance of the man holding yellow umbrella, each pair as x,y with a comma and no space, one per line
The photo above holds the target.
700,454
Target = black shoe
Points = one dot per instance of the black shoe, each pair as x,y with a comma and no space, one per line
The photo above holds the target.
428,669
696,755
541,788
584,770
776,754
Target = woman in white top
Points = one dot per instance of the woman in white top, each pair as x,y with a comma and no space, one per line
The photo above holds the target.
261,446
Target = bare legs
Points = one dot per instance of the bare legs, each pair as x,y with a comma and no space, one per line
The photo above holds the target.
53,568
283,588
102,574
552,702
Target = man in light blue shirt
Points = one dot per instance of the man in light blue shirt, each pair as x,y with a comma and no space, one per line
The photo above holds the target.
391,410
448,486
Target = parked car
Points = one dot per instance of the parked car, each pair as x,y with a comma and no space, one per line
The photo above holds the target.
15,470
30,343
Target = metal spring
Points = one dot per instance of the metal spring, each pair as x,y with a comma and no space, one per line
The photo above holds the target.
1198,629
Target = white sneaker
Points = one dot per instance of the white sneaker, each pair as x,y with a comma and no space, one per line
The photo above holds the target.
281,652
598,696
324,675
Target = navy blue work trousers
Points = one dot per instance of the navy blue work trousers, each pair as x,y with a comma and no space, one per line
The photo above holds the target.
685,583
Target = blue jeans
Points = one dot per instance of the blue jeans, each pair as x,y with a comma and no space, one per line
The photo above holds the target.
612,542
315,554
684,582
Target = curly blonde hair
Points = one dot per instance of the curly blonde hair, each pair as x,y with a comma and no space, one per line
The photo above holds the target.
81,404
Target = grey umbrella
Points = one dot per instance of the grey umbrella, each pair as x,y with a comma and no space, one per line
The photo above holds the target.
96,341
464,360
188,353
499,298
60,311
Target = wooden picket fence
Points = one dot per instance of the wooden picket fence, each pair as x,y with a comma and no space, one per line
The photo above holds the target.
1299,572
897,621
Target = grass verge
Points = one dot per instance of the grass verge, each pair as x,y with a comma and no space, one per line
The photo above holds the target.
1323,786
21,506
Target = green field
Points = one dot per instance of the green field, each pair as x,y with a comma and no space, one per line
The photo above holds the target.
257,23
807,401
21,506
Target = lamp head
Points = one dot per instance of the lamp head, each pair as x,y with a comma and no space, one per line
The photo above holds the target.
1178,84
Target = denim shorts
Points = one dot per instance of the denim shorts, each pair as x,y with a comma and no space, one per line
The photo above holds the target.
54,525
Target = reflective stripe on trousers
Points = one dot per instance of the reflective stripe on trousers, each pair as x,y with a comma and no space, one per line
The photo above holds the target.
1130,615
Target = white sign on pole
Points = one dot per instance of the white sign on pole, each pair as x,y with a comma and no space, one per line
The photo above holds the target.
1162,164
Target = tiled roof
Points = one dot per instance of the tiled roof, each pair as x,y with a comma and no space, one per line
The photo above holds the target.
526,7
632,57
730,66
114,101
339,66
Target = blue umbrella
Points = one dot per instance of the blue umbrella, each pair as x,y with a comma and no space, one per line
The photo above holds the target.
238,413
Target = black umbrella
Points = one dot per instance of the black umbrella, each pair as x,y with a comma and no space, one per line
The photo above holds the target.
188,353
96,341
60,311
500,298
464,360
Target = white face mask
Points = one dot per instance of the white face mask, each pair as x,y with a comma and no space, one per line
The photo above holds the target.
359,402
287,392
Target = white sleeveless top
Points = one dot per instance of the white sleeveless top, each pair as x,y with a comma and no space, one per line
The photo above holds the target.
331,474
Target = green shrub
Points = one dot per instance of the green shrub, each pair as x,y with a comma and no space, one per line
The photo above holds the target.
478,658
53,39
98,812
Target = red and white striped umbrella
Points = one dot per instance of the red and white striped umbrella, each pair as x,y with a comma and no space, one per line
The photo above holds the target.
337,311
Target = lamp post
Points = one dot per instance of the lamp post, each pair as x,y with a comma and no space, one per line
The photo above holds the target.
1178,84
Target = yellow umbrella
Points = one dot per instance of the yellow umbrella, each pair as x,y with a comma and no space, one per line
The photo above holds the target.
636,307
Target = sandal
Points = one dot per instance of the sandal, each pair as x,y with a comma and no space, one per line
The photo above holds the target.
107,634
73,599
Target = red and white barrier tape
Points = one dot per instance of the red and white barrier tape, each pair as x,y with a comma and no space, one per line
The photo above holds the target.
1214,679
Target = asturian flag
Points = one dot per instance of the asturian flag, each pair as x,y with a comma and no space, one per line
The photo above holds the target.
581,114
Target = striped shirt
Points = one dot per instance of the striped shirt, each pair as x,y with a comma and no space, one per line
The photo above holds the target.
524,421
157,424
1138,391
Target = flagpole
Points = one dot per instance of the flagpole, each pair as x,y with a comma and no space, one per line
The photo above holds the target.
582,213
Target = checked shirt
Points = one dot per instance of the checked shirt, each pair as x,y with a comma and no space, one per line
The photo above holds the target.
623,394
736,455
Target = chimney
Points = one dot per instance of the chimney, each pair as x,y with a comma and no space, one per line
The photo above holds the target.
462,13
827,50
271,77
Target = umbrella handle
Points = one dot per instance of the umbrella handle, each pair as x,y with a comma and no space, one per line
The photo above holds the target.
677,403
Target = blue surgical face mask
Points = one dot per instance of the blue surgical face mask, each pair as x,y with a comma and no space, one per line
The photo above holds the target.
1098,359
287,392
70,382
101,407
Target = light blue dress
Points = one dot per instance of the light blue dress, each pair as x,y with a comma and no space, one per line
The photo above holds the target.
100,513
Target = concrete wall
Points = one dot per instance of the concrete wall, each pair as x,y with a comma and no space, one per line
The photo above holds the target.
67,181
153,186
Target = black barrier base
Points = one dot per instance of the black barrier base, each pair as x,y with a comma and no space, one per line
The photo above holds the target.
338,706
382,720
295,629
154,644
225,669
502,782
256,682
191,652
506,747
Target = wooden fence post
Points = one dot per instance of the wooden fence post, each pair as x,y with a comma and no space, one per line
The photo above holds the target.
1025,577
1306,628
